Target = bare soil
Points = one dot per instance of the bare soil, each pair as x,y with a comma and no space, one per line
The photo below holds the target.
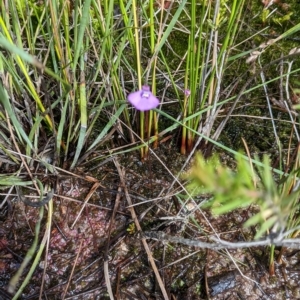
82,242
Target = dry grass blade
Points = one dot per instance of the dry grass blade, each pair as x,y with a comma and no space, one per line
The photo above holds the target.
112,221
107,280
72,272
46,238
138,226
93,189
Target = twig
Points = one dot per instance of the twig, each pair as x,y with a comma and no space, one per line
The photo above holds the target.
222,244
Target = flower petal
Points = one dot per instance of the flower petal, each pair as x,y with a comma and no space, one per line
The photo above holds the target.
134,98
147,103
143,100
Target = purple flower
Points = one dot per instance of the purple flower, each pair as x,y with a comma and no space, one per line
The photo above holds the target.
187,93
143,100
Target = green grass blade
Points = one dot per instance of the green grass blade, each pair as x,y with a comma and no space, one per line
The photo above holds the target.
83,23
110,123
83,113
17,126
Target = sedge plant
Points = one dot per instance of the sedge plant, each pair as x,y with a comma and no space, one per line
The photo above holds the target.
206,63
46,89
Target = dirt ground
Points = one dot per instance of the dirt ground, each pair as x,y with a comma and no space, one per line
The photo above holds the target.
93,234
